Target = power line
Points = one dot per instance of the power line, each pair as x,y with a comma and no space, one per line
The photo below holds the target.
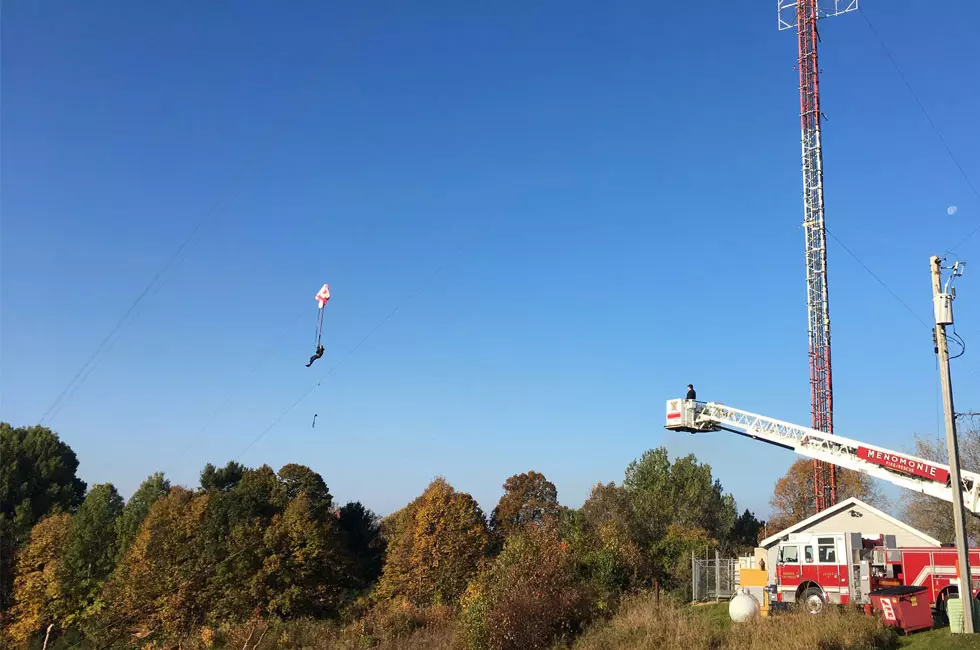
347,355
925,113
159,279
267,429
439,269
110,338
890,290
974,371
231,396
381,323
878,279
949,152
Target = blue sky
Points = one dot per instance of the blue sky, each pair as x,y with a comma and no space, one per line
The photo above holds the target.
539,222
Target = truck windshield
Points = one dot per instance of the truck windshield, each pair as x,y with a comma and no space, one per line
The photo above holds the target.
790,554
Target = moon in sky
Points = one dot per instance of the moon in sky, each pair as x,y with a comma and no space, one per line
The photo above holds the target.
951,210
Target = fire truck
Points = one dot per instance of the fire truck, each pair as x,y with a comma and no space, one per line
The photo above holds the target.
818,568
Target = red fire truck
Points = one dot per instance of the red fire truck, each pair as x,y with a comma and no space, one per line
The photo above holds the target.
819,568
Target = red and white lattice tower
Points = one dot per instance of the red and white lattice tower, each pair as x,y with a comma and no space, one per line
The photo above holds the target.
803,15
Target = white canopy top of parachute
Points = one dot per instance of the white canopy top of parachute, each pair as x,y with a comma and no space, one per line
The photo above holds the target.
323,295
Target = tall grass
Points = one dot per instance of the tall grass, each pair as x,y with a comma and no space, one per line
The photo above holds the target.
643,625
387,628
382,628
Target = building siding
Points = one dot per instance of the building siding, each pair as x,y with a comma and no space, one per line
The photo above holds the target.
870,524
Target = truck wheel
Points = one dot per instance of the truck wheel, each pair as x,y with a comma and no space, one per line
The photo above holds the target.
941,602
812,600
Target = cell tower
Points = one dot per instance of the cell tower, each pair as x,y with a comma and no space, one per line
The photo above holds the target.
806,14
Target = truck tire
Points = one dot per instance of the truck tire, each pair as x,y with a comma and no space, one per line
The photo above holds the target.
941,602
812,601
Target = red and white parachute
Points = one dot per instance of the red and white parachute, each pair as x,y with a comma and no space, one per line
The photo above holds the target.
323,295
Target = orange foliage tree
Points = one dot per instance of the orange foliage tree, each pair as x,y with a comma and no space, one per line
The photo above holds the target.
38,596
528,497
792,500
158,584
436,544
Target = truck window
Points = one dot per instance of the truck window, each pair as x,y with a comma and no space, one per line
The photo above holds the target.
789,554
826,550
808,553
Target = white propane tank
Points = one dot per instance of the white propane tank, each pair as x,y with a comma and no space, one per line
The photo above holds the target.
743,607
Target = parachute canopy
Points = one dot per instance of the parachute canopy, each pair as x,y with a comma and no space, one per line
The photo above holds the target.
323,295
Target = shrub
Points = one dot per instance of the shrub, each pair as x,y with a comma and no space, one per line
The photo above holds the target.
528,598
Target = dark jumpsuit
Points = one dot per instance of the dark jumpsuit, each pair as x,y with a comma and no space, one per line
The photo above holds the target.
319,353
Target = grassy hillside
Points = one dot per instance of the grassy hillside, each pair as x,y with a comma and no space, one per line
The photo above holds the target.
940,640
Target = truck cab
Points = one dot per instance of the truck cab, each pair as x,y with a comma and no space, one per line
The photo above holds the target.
814,569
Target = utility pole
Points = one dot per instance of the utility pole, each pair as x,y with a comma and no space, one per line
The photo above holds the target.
942,301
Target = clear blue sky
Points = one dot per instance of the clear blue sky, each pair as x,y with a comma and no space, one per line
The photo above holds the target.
609,191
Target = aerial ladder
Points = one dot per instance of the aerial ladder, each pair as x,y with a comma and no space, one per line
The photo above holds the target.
909,472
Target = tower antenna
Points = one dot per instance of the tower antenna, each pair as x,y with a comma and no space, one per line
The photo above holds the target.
803,15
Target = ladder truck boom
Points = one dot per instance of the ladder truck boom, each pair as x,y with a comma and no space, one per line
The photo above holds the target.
906,471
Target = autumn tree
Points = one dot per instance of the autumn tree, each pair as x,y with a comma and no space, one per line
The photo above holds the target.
231,539
299,479
161,582
436,546
37,478
527,498
136,509
793,501
273,545
90,547
304,572
364,542
929,514
38,596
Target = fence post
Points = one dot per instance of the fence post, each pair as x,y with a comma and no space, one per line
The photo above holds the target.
717,575
694,579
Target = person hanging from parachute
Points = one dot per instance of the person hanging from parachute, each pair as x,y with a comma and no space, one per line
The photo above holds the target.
322,296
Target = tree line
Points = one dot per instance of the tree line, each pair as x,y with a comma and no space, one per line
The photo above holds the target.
80,565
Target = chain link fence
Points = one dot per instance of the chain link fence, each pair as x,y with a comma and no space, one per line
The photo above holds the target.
713,578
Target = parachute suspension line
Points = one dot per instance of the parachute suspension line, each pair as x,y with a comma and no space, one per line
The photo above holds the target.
319,327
